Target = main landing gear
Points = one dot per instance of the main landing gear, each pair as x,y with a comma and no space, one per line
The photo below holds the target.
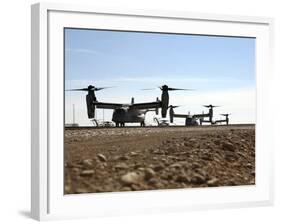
120,124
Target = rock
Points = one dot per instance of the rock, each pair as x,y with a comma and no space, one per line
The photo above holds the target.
81,191
132,178
253,172
249,165
230,156
176,165
228,146
213,182
67,188
79,166
149,173
68,165
195,165
101,166
217,141
158,168
75,170
87,173
207,156
101,157
198,179
152,181
167,142
123,158
137,166
183,178
87,162
121,166
133,153
126,188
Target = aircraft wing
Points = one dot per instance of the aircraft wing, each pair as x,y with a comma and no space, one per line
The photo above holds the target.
143,106
181,115
108,105
201,115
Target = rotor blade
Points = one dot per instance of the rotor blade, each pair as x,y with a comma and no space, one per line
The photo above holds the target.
209,106
171,106
171,89
84,89
100,88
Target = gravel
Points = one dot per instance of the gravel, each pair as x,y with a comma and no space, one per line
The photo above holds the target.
132,159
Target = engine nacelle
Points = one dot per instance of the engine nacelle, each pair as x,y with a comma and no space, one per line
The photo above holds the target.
157,108
171,114
90,107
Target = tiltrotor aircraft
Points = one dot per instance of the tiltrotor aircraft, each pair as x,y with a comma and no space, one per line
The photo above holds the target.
127,113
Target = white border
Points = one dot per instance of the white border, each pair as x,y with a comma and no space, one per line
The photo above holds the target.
48,201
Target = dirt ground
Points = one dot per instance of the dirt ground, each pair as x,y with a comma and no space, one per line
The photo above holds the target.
130,159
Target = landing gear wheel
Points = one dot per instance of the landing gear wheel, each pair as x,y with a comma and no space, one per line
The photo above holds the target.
142,124
117,124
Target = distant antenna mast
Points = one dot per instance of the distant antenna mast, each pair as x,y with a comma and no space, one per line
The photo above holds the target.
73,114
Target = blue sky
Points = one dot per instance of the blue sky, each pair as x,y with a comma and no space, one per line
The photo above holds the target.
222,67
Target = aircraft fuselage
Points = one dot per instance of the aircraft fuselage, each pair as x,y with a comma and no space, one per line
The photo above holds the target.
123,115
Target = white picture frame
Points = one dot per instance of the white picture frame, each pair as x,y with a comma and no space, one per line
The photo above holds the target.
48,201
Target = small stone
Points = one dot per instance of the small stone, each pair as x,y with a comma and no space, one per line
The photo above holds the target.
158,168
182,178
230,156
228,146
123,158
126,188
213,182
176,165
75,170
152,181
133,153
198,179
132,178
81,191
87,173
67,188
68,164
121,166
249,165
149,173
137,166
87,162
167,142
195,165
101,157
